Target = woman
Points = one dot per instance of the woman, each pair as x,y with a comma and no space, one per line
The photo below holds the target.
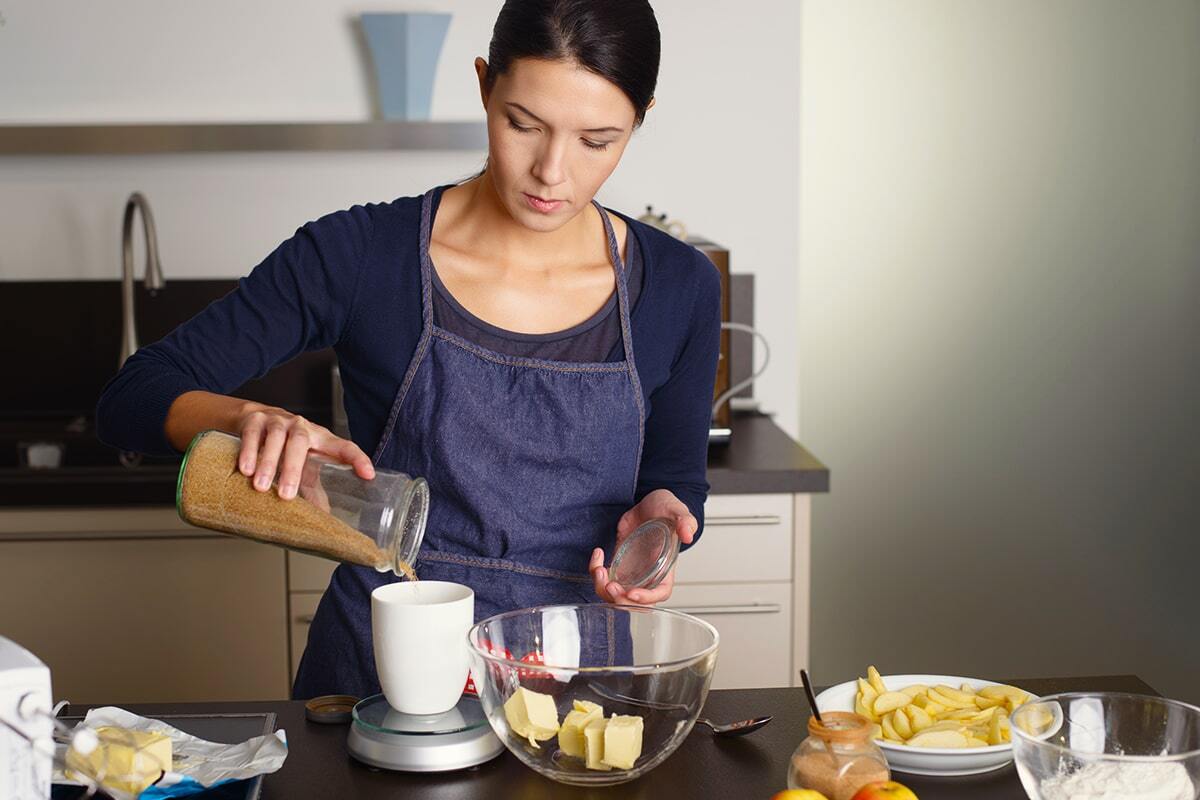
546,366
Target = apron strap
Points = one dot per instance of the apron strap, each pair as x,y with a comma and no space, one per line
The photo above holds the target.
626,329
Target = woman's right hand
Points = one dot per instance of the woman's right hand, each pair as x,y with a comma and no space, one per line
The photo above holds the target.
277,442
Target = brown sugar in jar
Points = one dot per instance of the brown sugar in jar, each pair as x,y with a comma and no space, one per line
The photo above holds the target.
838,758
337,515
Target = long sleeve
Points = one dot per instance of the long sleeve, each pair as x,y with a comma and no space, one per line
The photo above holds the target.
675,454
300,298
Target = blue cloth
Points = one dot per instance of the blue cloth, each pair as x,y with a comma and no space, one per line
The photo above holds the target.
564,438
351,280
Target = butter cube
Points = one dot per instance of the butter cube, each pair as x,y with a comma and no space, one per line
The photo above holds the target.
570,735
622,741
587,705
125,760
531,715
593,737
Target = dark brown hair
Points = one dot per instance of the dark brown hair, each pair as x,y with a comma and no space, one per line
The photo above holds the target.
616,39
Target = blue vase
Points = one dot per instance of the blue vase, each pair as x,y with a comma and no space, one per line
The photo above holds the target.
404,51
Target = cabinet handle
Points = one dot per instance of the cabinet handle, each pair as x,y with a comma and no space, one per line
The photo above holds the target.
767,519
305,619
748,608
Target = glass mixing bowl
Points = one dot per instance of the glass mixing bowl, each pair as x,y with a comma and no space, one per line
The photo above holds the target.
631,661
1084,744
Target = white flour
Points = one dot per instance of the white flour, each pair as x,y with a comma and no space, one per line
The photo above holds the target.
1122,782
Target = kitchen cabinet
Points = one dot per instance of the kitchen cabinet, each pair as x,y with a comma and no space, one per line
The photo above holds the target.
749,577
135,606
754,621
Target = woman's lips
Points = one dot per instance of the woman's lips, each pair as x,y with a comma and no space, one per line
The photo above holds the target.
540,205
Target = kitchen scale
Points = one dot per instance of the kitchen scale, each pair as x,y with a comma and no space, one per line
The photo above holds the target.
383,737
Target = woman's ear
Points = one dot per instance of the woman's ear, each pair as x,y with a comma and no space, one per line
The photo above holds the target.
481,71
650,105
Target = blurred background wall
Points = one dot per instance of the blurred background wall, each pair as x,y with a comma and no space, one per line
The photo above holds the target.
999,310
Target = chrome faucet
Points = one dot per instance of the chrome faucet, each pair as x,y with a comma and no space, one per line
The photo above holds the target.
153,279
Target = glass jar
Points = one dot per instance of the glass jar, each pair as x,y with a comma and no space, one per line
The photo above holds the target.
839,756
336,514
645,557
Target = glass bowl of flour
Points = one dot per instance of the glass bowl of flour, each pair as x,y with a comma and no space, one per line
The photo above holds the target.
1107,746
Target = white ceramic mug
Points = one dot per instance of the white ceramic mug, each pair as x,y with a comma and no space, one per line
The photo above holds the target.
420,635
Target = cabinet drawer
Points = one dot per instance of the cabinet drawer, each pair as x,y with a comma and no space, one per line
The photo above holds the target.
755,624
136,620
308,573
301,607
747,537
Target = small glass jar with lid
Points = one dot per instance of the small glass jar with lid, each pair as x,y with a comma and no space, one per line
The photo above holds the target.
336,514
839,756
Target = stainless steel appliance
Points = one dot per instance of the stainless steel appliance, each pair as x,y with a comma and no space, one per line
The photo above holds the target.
719,431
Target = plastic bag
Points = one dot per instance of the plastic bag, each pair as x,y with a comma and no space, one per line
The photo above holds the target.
197,764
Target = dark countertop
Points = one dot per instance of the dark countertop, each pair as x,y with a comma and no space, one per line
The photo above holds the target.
754,767
759,458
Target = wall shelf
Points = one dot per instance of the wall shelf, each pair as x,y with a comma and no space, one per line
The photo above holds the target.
136,139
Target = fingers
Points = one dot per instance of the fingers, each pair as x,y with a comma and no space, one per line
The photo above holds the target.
648,597
248,458
275,442
599,573
295,453
660,593
607,590
348,452
685,523
626,524
268,456
686,526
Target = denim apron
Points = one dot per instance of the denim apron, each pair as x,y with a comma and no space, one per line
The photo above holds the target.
530,464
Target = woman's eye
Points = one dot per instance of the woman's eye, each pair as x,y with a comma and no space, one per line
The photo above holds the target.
595,145
517,127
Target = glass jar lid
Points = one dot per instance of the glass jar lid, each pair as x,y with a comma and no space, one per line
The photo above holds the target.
840,727
643,560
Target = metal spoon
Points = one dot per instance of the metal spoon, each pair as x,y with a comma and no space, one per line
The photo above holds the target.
740,728
736,728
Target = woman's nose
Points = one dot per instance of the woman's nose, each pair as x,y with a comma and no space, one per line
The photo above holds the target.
549,168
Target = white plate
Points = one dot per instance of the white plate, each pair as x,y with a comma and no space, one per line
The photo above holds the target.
924,760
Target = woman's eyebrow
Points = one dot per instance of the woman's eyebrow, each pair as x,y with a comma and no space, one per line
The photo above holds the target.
536,118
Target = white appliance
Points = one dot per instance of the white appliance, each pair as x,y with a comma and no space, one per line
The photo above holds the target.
26,726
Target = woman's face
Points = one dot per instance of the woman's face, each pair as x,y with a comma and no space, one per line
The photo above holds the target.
555,133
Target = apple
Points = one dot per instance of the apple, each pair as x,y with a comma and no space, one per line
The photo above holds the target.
884,790
799,794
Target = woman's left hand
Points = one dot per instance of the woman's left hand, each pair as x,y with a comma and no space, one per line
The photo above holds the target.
659,503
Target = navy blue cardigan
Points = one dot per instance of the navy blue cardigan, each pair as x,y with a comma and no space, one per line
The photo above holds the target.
351,280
